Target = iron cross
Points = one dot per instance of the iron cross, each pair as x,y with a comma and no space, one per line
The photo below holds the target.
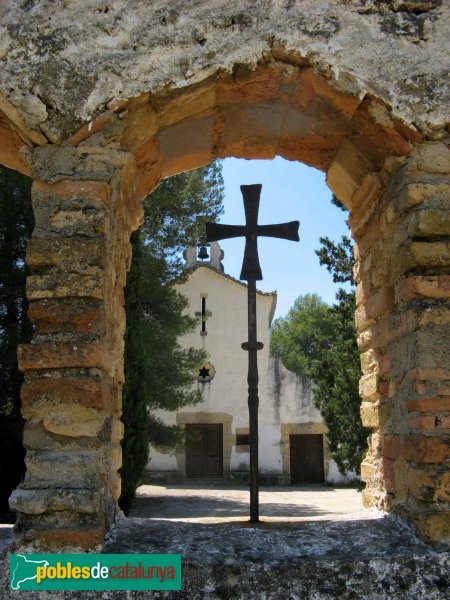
251,271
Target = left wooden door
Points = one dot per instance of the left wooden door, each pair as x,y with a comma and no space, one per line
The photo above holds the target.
204,450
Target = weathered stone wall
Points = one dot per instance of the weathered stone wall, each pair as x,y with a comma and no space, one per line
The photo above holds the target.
396,50
110,97
403,318
71,398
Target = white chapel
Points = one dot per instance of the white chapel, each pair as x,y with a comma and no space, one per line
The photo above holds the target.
292,435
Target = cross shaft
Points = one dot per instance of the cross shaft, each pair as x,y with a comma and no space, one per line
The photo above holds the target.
251,271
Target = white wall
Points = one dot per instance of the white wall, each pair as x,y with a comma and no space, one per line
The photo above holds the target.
284,397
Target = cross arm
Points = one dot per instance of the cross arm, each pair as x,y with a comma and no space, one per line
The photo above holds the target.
217,231
285,231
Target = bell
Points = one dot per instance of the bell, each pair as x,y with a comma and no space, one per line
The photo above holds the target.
202,253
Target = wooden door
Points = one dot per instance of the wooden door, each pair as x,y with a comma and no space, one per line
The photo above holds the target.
204,450
306,453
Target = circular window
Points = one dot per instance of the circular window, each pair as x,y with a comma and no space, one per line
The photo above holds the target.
206,373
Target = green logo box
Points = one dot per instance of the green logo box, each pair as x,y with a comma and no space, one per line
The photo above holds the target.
95,571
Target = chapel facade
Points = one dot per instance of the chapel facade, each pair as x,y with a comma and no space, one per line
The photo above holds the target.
292,435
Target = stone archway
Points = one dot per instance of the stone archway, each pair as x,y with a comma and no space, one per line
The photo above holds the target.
87,189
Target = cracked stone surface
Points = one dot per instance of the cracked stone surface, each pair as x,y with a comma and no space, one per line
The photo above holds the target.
396,51
358,554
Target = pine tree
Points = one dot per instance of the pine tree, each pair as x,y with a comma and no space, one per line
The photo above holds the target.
320,340
158,372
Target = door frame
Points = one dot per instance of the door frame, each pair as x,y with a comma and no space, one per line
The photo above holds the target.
184,418
218,427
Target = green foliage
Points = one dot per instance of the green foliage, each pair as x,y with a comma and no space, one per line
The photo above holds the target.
320,340
299,338
158,372
16,225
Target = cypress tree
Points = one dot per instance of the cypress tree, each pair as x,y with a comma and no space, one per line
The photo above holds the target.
16,225
158,372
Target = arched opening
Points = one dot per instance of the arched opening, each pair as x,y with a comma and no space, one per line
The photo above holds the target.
281,108
286,401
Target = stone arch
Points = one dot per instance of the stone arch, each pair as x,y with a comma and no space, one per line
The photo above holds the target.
86,196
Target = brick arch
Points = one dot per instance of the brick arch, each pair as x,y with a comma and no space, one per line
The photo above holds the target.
280,108
390,179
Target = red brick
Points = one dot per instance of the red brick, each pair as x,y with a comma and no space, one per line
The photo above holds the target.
426,374
444,423
388,473
86,538
427,422
67,316
383,387
60,355
429,404
392,446
444,390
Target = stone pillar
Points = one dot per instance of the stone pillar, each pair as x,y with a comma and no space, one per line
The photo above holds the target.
402,228
85,210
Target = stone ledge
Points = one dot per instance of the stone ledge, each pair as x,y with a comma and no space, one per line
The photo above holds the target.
375,558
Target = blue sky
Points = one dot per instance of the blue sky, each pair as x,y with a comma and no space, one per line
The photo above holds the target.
291,191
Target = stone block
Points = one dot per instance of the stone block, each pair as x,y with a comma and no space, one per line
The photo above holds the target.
59,355
348,171
368,470
434,528
251,131
368,386
148,167
375,306
427,449
187,145
364,202
432,223
38,501
369,414
369,499
75,254
67,285
69,420
429,485
178,106
37,437
73,190
432,286
57,218
64,470
53,163
433,157
249,87
369,361
424,255
90,392
67,316
427,193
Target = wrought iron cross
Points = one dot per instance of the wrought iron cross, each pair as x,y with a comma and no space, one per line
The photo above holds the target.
251,271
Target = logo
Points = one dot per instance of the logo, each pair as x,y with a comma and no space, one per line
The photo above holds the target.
95,571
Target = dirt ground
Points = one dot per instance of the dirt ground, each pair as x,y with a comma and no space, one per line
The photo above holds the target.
219,502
